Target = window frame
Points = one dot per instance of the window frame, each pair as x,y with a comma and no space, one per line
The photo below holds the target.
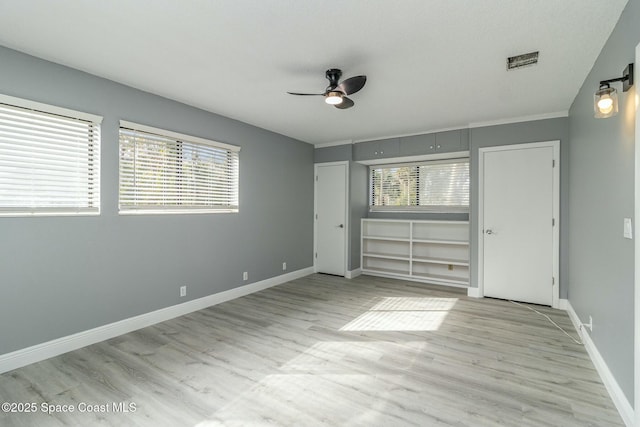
94,147
447,209
180,140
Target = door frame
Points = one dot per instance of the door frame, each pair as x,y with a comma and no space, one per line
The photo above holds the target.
556,211
636,304
347,225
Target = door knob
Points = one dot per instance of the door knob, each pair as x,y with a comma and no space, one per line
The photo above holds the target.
489,231
341,226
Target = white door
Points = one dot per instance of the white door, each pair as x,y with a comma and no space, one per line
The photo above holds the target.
518,209
331,218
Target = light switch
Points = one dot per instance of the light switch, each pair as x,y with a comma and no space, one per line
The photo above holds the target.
628,229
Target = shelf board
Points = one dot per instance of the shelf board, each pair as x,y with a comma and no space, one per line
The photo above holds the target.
404,273
388,239
441,278
402,222
417,222
385,256
442,241
464,263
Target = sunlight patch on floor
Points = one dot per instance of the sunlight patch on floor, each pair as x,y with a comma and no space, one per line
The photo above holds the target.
352,356
403,314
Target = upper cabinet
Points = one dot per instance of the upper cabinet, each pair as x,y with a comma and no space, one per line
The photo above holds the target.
382,148
447,142
417,144
441,142
408,146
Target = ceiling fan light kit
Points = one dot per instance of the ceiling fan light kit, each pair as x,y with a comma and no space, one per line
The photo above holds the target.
333,98
336,93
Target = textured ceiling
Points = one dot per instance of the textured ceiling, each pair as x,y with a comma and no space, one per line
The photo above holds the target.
431,64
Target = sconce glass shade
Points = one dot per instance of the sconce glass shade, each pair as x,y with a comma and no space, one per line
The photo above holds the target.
333,98
605,103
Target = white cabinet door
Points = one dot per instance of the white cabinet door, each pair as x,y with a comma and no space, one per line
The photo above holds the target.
518,210
331,218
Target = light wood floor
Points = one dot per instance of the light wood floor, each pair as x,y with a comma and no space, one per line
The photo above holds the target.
328,351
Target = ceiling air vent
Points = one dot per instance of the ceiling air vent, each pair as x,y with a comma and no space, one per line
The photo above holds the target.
523,60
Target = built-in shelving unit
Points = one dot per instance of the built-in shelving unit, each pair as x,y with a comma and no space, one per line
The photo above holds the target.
427,251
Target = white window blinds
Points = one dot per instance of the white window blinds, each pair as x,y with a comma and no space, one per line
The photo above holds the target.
165,172
436,186
49,162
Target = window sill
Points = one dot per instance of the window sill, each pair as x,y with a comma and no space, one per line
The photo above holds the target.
44,214
176,211
443,210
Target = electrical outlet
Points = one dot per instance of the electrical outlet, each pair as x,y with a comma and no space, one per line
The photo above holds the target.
245,276
183,291
628,229
284,266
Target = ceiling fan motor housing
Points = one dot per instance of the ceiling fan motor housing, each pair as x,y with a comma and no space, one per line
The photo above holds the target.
333,75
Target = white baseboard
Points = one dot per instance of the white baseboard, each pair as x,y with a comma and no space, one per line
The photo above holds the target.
39,352
353,273
617,395
474,293
563,304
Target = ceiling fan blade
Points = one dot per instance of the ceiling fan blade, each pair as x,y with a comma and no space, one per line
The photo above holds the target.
352,84
306,94
346,103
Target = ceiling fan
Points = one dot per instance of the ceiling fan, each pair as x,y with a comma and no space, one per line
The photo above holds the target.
336,93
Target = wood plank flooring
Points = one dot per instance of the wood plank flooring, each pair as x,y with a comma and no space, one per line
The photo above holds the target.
326,351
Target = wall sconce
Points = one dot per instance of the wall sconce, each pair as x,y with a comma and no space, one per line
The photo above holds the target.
605,102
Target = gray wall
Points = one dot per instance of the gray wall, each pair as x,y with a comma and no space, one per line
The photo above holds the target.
521,133
62,275
601,194
359,206
337,153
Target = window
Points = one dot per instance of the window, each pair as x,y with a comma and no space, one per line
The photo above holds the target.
436,186
166,172
49,160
